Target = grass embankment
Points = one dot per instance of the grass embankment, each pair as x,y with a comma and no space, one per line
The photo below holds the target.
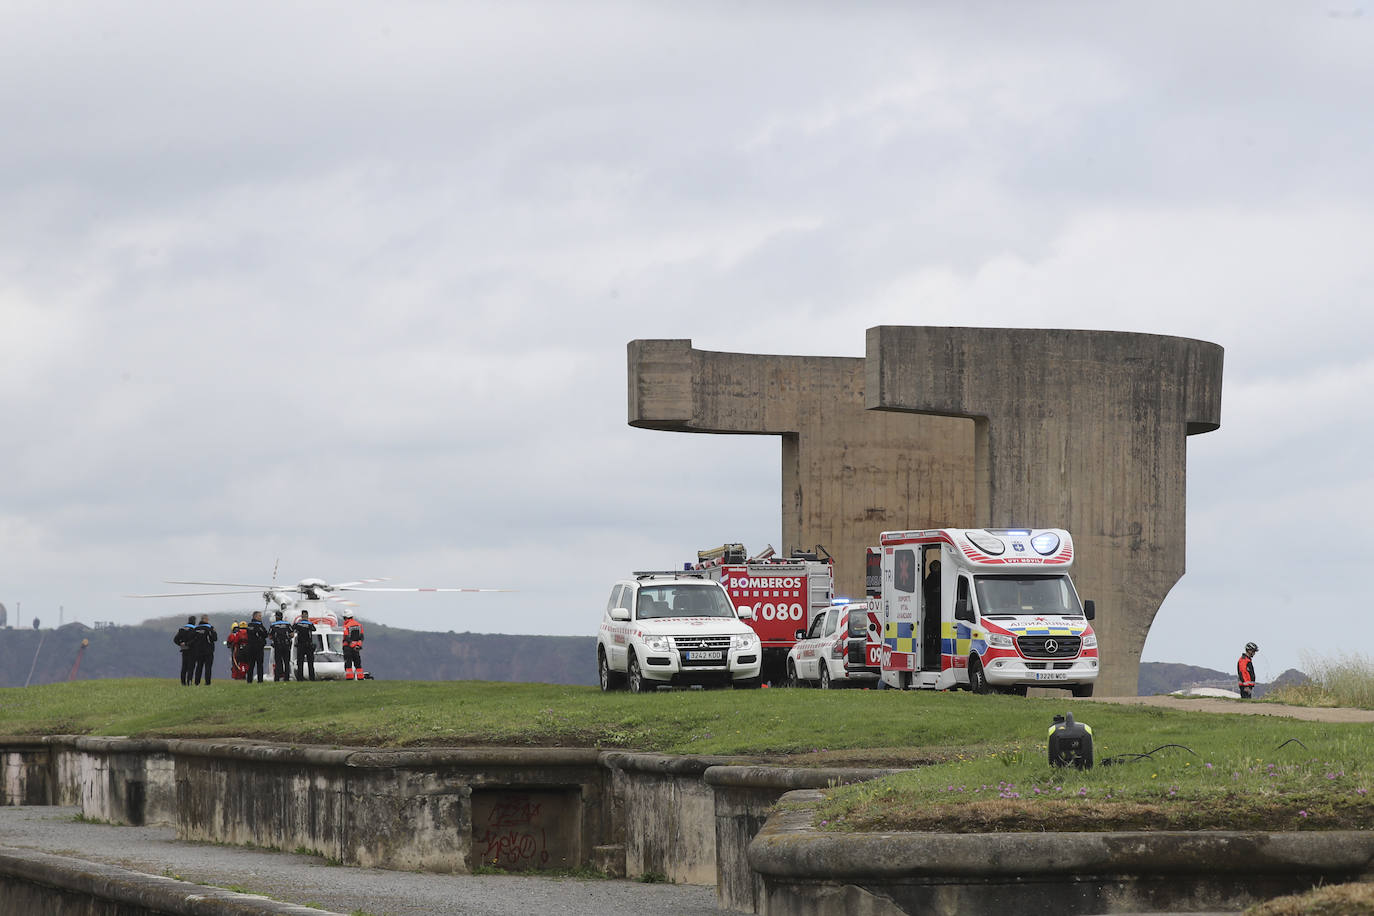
986,766
1346,680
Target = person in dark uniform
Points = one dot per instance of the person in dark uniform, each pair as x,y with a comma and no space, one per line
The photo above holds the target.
352,648
254,645
1245,670
205,639
185,638
305,646
280,632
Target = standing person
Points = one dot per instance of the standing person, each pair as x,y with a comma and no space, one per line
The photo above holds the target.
254,645
235,644
352,649
185,638
205,640
280,632
305,646
1245,670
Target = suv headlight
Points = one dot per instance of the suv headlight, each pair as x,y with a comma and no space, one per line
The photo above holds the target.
1000,641
743,641
657,643
1090,641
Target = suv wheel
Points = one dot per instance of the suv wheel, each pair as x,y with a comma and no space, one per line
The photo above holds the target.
636,676
610,680
792,679
825,677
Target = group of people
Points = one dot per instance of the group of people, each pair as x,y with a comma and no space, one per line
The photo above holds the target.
248,642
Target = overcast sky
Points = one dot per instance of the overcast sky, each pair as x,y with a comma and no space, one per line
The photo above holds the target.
350,284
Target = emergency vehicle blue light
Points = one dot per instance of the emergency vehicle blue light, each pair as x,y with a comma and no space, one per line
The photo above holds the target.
839,600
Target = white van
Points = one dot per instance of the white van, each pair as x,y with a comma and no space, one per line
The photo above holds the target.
675,629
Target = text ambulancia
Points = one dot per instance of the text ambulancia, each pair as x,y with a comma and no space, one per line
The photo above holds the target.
991,609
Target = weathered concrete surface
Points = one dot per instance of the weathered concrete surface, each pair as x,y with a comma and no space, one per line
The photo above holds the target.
669,815
25,767
38,884
811,873
1085,430
848,473
744,795
398,809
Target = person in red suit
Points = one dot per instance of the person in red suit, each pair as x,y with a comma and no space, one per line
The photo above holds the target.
1245,670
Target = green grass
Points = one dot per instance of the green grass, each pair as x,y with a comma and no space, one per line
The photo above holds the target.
1230,772
1346,680
980,760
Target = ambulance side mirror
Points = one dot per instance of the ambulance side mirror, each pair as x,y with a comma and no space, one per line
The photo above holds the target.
962,610
1089,609
800,635
620,613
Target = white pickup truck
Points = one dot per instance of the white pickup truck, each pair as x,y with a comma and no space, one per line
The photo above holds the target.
675,629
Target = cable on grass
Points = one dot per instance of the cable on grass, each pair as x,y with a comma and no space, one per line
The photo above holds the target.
1148,755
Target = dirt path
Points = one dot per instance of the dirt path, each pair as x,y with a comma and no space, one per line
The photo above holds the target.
1245,708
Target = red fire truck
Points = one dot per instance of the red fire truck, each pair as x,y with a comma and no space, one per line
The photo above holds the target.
784,593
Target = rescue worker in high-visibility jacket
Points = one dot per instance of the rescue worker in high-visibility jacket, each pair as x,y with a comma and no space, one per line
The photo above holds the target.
185,638
305,646
1245,670
253,646
280,633
352,648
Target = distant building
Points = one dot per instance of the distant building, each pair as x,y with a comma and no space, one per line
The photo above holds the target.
4,616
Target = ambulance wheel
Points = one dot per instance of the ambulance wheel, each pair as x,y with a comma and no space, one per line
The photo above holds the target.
977,680
825,677
1082,690
637,684
610,680
792,679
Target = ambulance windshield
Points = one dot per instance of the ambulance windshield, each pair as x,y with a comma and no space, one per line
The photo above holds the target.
696,599
1007,596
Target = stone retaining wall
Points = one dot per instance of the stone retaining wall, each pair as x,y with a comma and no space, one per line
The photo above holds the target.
38,884
807,872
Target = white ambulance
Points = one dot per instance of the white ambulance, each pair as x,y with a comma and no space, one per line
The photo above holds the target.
990,609
675,629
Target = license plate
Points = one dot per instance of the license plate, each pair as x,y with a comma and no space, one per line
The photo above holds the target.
700,656
1051,676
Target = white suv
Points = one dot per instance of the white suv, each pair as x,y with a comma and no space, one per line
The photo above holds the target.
662,629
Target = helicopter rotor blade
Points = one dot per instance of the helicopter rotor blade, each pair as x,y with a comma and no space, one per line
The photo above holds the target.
359,582
352,589
194,594
227,584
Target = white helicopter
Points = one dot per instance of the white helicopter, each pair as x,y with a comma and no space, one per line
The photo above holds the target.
309,596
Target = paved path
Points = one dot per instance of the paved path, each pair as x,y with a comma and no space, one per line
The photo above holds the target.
1244,707
308,879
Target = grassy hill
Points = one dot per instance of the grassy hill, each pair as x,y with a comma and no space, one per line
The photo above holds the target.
391,653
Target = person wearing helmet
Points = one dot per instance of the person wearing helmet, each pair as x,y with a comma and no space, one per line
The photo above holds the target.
352,649
1245,670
